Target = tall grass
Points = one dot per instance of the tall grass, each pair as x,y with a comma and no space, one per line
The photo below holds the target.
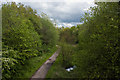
64,60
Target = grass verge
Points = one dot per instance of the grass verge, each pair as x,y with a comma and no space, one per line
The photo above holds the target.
32,65
58,71
79,59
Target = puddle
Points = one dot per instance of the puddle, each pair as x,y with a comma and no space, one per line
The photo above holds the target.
70,68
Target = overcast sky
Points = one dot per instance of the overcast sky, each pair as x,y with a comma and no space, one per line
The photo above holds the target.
65,13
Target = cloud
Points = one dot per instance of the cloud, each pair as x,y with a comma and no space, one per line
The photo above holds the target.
64,13
68,24
48,0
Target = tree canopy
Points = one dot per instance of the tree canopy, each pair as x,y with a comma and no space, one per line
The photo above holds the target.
24,35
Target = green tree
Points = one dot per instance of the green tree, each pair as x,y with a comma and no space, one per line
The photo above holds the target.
99,38
23,36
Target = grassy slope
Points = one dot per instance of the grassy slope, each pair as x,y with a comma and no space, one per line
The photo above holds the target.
73,55
79,59
33,64
58,71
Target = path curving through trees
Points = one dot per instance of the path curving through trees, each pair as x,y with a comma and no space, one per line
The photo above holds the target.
42,71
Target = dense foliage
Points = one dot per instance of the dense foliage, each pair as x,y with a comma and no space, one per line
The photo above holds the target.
99,42
69,35
92,46
24,35
97,54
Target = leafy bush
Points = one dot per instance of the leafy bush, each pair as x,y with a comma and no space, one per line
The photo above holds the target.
22,36
66,54
99,40
8,67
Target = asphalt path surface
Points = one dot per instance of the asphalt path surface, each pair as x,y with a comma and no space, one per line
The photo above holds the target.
42,71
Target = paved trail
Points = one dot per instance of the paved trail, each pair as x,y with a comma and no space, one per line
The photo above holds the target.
42,71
